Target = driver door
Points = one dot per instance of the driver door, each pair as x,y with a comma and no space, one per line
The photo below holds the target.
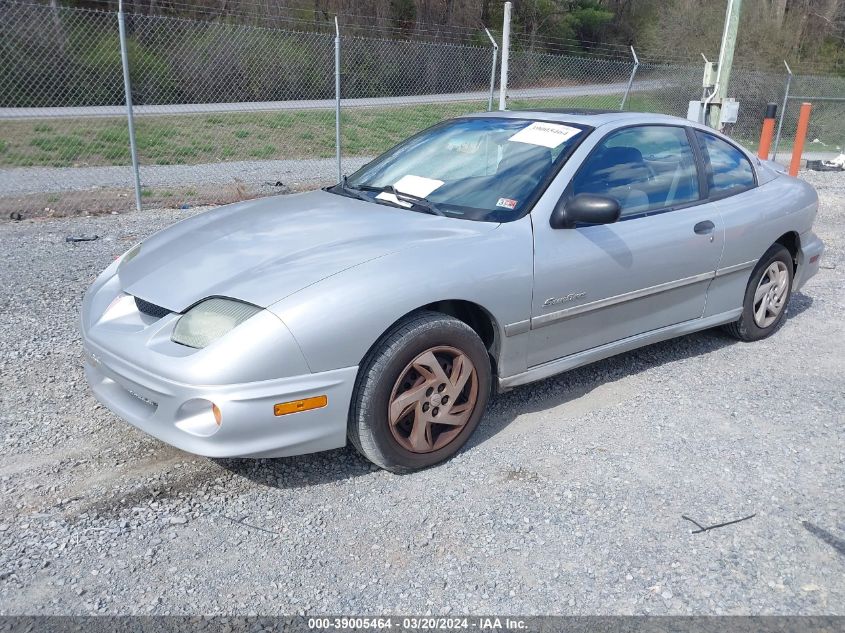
602,283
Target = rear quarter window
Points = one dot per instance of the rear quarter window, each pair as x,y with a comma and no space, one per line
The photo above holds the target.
728,170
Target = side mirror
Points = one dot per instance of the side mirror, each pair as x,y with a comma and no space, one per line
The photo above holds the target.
585,208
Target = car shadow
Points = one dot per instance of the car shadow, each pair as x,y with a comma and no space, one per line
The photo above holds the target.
301,470
576,383
344,463
572,385
798,303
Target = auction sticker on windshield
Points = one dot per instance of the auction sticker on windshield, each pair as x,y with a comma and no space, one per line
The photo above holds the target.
545,134
414,185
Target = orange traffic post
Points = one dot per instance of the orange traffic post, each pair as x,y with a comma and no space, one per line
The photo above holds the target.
800,137
768,131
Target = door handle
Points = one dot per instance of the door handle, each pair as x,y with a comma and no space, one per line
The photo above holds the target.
704,227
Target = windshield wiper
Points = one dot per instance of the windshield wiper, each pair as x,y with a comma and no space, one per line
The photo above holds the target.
352,192
418,201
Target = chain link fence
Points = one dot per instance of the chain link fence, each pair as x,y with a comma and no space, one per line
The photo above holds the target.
754,89
58,68
600,82
545,80
665,88
227,111
669,89
826,134
394,88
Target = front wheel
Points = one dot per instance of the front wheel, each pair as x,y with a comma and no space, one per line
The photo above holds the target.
766,296
420,393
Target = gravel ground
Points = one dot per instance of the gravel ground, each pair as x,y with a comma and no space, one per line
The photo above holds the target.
567,501
18,181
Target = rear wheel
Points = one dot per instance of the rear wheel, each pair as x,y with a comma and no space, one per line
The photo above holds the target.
766,296
420,393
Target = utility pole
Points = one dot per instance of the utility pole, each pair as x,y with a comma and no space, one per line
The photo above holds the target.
726,59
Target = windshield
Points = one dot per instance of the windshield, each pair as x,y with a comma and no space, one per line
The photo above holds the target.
490,169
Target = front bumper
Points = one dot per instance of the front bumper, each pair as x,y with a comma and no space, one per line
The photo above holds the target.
166,389
249,427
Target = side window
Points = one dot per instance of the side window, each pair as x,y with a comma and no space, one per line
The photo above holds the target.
645,168
728,170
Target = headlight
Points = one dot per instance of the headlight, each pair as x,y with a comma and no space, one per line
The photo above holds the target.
129,255
208,321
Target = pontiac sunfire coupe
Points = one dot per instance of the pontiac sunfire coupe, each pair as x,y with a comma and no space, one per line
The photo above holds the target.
486,252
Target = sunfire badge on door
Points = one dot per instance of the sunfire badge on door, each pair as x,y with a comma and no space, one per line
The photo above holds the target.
553,301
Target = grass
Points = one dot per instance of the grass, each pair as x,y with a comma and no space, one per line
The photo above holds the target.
210,138
199,138
191,139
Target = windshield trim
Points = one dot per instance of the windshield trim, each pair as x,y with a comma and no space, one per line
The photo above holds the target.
538,192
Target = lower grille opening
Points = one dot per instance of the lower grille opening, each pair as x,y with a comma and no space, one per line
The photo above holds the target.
150,309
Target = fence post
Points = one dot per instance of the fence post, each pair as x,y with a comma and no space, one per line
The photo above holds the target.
766,132
337,97
783,109
506,47
492,70
127,88
800,135
630,79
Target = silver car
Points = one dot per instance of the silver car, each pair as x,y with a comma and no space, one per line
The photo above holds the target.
486,252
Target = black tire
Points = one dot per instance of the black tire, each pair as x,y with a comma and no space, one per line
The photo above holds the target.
745,328
369,427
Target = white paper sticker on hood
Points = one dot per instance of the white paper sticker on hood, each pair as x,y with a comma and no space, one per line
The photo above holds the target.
413,185
544,134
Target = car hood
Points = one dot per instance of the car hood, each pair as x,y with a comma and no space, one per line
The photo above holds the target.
263,250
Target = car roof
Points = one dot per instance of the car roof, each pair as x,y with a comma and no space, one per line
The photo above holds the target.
614,118
592,118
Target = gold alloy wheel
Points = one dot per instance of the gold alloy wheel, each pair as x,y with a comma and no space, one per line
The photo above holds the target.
433,399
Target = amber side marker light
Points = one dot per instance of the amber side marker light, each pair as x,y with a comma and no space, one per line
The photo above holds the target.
295,406
218,416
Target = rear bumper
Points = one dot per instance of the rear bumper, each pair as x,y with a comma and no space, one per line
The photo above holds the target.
180,414
809,259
